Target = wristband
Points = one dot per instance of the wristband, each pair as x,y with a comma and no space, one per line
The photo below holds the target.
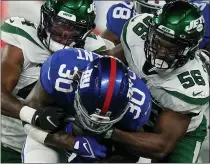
26,114
35,133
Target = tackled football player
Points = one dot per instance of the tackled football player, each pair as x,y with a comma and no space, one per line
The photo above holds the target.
63,24
164,49
100,92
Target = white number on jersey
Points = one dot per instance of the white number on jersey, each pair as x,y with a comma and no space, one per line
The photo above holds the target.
121,12
62,80
135,104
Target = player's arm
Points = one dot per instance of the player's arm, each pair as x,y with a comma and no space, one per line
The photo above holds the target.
39,98
106,34
11,67
208,47
111,31
170,127
116,17
117,52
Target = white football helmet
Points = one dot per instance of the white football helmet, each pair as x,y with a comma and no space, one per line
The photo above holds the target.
148,6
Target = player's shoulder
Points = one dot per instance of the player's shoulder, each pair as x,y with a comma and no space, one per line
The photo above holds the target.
22,33
139,105
189,83
140,18
94,43
123,4
73,57
134,31
117,15
139,85
64,63
19,26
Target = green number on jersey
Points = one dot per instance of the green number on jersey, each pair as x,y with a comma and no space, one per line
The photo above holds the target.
189,79
141,29
28,23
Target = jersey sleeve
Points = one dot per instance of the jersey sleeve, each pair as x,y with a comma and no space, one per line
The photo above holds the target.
95,43
8,32
22,33
139,106
117,16
59,69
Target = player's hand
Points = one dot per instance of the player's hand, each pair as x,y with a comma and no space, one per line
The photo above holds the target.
69,127
49,118
89,148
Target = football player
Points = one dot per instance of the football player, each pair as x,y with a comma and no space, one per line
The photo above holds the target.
63,24
165,52
118,14
99,91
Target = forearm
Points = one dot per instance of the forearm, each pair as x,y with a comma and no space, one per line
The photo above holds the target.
149,145
10,105
60,140
208,47
13,107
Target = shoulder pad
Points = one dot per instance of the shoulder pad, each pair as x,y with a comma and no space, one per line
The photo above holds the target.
134,31
23,34
117,16
189,83
94,43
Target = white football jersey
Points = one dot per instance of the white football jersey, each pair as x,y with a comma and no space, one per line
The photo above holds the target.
23,34
184,90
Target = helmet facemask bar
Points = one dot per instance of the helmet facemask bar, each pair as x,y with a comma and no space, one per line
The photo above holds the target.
94,123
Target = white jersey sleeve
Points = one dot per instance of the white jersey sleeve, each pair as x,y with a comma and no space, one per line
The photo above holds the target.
23,34
132,39
94,43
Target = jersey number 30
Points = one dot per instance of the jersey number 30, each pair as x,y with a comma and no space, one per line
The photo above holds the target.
64,82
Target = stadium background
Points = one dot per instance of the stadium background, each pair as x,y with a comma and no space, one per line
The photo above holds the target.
31,10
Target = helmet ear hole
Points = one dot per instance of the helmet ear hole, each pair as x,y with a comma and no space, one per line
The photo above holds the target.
94,25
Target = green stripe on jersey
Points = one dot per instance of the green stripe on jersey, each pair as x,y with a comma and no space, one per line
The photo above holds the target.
102,48
124,34
18,31
187,99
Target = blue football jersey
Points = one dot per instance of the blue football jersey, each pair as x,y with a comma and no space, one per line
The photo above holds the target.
204,6
57,75
139,108
117,15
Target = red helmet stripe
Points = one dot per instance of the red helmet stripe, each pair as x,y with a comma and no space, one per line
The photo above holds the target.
110,90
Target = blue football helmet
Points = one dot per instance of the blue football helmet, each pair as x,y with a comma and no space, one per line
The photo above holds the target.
103,94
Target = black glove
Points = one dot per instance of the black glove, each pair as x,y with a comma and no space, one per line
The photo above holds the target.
49,118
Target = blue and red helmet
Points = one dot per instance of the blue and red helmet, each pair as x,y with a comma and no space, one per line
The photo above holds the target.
103,94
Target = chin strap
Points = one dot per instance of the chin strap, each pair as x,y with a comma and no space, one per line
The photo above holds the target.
81,42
